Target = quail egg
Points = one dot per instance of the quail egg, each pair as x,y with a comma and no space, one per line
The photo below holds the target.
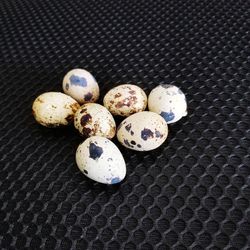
81,85
168,101
52,109
94,119
125,100
100,160
142,131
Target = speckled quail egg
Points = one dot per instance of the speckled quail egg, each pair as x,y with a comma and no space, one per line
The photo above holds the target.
168,101
100,160
142,131
81,85
52,109
94,119
125,100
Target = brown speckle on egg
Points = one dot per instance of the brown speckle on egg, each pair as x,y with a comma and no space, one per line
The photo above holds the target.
87,118
75,107
83,110
39,100
118,95
70,118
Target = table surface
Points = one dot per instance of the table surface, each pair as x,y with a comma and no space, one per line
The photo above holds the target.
193,192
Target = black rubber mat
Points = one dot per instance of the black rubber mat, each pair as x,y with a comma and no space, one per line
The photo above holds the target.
191,193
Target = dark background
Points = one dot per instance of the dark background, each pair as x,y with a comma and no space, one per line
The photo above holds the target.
191,193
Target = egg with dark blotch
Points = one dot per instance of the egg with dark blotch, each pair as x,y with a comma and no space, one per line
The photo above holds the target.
125,99
81,85
94,120
142,131
99,159
54,109
169,102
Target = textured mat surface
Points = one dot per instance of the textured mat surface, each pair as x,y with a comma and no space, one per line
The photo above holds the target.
191,193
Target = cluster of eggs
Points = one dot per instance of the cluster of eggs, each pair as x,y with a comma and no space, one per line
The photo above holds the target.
98,157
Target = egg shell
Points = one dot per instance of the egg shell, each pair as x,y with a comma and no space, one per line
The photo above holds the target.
53,109
100,160
125,99
81,85
94,119
169,102
142,131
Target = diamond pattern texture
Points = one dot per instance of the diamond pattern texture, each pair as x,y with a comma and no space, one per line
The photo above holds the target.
191,193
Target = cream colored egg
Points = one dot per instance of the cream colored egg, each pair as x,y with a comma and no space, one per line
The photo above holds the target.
125,100
142,131
81,85
169,102
100,160
53,109
94,119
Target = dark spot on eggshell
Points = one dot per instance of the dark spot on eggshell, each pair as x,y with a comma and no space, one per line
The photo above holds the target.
88,97
132,132
146,134
69,118
95,128
86,131
128,127
131,100
119,105
133,142
83,110
75,106
126,142
95,151
139,145
158,134
39,100
67,86
118,95
166,86
78,81
110,159
85,119
115,180
112,129
168,116
132,92
85,171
